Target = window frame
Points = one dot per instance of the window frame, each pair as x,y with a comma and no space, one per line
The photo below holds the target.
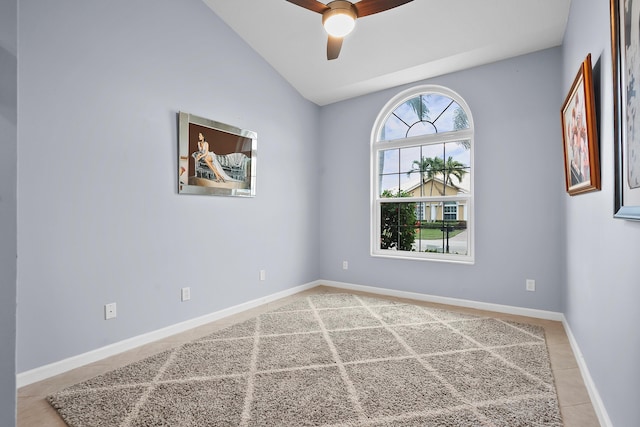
377,145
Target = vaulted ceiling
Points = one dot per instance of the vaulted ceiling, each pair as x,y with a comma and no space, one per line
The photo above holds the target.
419,40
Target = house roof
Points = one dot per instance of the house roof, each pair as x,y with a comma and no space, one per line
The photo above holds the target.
415,183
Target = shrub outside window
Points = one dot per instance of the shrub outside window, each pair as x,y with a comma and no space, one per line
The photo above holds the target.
422,177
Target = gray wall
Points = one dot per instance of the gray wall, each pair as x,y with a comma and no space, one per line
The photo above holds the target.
100,219
603,272
8,209
518,189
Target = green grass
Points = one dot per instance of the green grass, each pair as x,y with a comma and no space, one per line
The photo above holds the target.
431,234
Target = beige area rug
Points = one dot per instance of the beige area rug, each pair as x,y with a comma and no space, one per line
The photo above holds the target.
333,360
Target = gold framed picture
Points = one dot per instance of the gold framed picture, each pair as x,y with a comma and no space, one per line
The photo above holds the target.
580,139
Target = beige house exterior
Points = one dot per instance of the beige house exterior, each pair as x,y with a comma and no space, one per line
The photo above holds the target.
433,211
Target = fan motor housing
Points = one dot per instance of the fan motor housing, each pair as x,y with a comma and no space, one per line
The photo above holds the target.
337,7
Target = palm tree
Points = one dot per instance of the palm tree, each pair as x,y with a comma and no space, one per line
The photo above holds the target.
453,168
429,168
461,121
419,106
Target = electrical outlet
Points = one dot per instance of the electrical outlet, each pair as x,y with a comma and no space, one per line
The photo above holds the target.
185,294
263,275
345,265
531,285
110,311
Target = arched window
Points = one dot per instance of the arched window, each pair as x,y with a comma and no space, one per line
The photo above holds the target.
422,177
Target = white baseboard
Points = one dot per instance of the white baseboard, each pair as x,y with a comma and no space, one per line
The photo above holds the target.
56,368
520,311
596,401
47,371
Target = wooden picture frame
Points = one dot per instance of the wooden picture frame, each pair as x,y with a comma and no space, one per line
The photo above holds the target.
579,135
214,158
625,54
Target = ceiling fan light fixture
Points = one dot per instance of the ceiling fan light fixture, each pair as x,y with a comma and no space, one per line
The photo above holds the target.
339,20
339,17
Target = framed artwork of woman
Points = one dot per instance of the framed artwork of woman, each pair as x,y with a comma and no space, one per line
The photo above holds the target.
215,158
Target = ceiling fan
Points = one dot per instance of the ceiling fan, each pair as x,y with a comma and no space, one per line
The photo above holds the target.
339,17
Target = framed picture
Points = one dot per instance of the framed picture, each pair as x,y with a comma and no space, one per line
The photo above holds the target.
579,135
215,158
625,52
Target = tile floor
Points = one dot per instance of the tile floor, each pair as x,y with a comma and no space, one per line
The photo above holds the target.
575,405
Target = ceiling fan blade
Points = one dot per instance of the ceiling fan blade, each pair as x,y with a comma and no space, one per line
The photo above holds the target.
369,7
334,44
312,5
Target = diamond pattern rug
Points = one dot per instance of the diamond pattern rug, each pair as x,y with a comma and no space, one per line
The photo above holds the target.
336,360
